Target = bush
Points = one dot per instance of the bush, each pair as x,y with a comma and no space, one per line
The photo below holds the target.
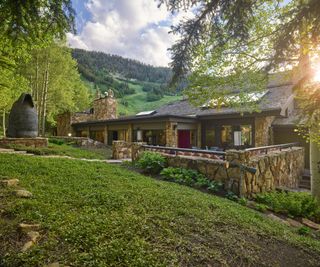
295,204
215,186
243,201
304,230
151,96
190,178
261,207
56,141
151,162
232,196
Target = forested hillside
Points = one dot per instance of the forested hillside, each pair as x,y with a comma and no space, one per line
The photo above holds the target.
95,65
136,85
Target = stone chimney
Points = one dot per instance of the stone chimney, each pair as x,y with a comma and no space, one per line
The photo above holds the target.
105,108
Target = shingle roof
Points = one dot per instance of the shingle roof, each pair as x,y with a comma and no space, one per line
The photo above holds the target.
274,99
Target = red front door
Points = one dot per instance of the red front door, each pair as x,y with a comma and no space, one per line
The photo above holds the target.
184,139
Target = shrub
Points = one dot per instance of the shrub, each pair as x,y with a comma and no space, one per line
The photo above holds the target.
190,178
261,207
151,162
56,141
294,204
214,186
304,230
180,175
151,96
232,196
243,201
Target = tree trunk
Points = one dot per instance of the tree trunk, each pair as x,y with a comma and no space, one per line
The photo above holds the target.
4,122
315,169
44,101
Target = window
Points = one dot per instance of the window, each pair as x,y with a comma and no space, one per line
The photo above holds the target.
236,135
226,135
210,137
246,135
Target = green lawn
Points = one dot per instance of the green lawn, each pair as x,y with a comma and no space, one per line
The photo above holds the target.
96,214
69,150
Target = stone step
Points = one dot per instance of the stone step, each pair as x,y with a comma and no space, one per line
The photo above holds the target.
6,150
305,185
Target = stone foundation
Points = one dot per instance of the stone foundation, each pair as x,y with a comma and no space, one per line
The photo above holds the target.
31,142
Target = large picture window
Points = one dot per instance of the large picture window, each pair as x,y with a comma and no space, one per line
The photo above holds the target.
228,134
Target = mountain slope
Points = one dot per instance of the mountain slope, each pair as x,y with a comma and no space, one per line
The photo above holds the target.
101,64
137,86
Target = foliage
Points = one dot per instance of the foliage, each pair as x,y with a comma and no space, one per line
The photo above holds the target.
151,162
243,201
97,214
190,177
29,21
232,196
295,204
96,65
304,230
55,82
56,141
261,207
153,97
221,23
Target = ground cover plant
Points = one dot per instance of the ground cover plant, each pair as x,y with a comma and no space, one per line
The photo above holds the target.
58,147
190,177
96,214
294,204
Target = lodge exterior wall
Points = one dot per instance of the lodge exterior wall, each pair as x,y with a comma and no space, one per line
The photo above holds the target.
104,108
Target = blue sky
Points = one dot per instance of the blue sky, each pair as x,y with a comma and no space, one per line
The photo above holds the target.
135,29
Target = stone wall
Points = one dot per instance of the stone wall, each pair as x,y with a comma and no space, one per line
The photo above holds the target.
31,142
64,124
273,170
263,131
121,150
171,134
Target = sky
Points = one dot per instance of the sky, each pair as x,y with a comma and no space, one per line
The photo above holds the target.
135,29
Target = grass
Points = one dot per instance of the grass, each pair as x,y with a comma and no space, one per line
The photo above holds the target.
96,214
138,102
69,150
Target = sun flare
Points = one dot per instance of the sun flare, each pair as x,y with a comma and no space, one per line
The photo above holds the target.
316,77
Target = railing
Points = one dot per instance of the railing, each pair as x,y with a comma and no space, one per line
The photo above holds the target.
188,151
266,149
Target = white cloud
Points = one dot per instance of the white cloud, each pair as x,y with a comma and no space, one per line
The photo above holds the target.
135,29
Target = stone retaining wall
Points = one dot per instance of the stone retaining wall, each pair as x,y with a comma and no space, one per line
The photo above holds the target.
31,142
276,169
